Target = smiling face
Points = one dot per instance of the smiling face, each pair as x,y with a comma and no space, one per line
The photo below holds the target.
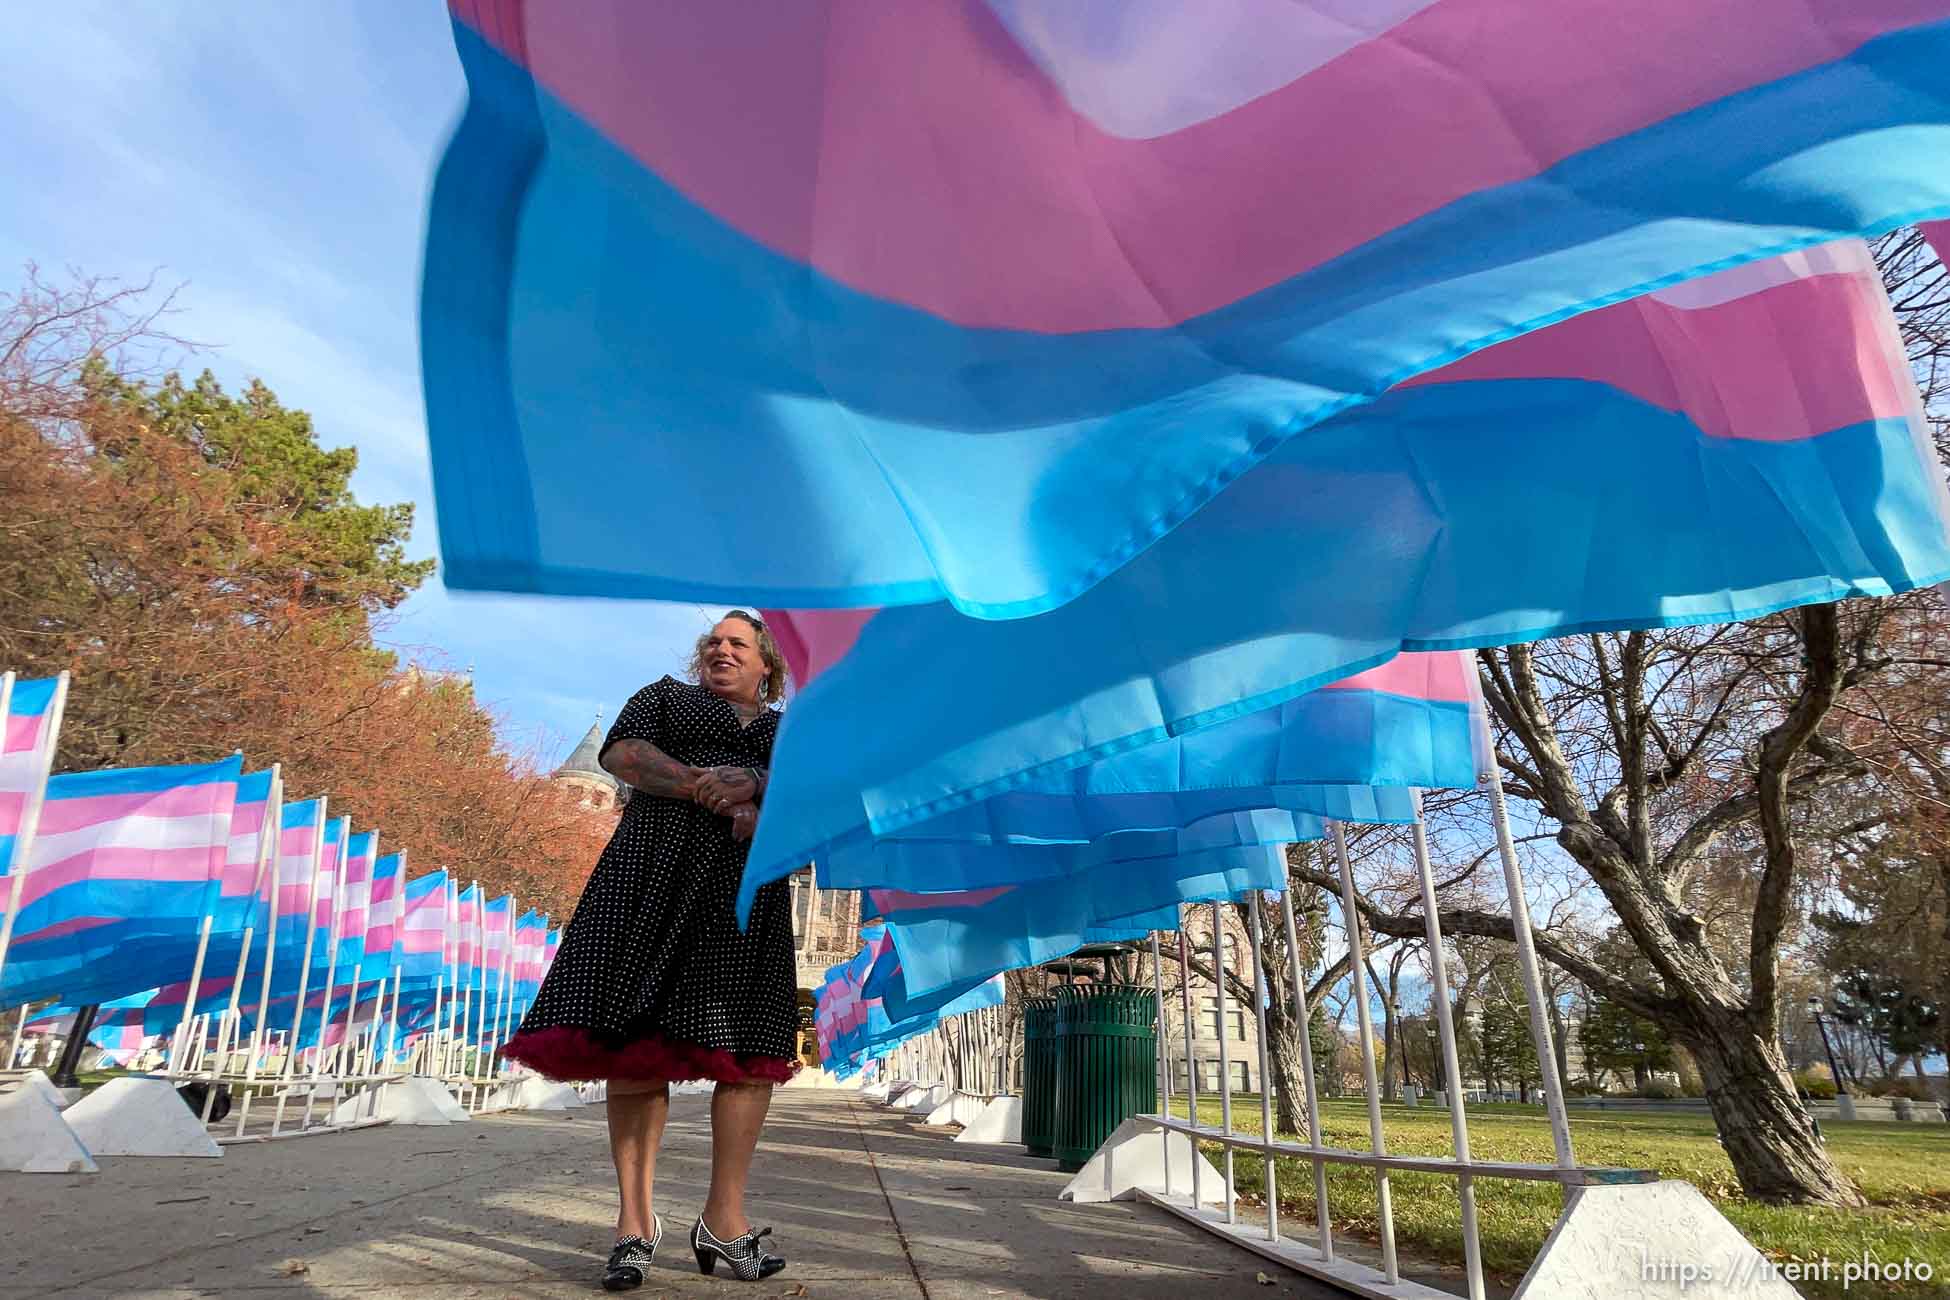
730,662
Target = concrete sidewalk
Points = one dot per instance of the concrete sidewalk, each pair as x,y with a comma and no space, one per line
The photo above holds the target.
864,1202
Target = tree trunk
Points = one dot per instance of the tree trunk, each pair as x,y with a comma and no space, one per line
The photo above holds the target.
1388,1047
1289,1078
1766,1132
1560,1041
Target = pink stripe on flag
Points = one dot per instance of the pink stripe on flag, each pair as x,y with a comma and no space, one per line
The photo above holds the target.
781,127
1938,233
1790,361
74,925
23,732
1443,675
116,863
59,816
899,900
247,818
414,940
813,640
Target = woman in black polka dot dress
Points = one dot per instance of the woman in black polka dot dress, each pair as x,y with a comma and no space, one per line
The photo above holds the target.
654,981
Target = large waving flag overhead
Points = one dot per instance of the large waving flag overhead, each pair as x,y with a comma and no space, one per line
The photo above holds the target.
1350,751
980,299
943,938
1737,444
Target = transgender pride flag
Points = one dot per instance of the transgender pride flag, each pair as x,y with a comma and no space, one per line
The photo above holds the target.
421,936
30,721
355,898
531,938
300,842
1734,445
468,952
1351,750
940,270
326,894
242,893
125,862
383,916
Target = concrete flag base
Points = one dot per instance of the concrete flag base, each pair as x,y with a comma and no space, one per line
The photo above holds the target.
1000,1121
960,1108
537,1093
416,1100
1650,1241
814,1077
924,1099
139,1117
1133,1159
594,1094
35,1138
37,1081
875,1092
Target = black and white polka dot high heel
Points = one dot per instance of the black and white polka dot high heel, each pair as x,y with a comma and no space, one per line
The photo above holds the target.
749,1260
631,1257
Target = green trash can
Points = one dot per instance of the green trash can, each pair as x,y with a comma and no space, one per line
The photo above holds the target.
1039,1075
1106,1065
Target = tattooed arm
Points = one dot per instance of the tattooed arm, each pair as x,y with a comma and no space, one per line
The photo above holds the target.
721,788
642,766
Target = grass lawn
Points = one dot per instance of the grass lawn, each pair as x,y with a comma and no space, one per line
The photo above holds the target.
1903,1169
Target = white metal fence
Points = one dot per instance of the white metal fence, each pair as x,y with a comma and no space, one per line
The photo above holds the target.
1318,1255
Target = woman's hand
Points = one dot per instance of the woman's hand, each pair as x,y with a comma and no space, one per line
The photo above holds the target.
744,821
723,788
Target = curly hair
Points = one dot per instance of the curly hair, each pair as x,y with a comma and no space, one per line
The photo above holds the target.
774,688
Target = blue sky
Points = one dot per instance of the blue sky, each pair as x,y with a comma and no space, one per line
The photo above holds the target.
274,159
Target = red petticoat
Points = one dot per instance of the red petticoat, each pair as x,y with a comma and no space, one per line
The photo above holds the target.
571,1054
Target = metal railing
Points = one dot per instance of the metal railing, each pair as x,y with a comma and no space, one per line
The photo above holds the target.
1319,1258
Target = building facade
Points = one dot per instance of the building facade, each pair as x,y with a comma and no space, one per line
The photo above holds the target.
826,932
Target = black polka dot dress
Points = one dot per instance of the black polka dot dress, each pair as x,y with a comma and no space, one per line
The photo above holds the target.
654,979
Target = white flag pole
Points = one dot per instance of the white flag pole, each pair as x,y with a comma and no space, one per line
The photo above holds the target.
398,955
344,1055
451,965
439,987
230,1027
466,988
40,764
266,873
332,939
304,964
507,977
213,892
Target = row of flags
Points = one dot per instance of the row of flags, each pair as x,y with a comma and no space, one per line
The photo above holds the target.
855,1023
165,893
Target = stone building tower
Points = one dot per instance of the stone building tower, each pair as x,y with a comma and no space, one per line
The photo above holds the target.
597,789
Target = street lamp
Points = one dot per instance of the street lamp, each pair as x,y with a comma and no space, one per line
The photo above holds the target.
1821,1026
